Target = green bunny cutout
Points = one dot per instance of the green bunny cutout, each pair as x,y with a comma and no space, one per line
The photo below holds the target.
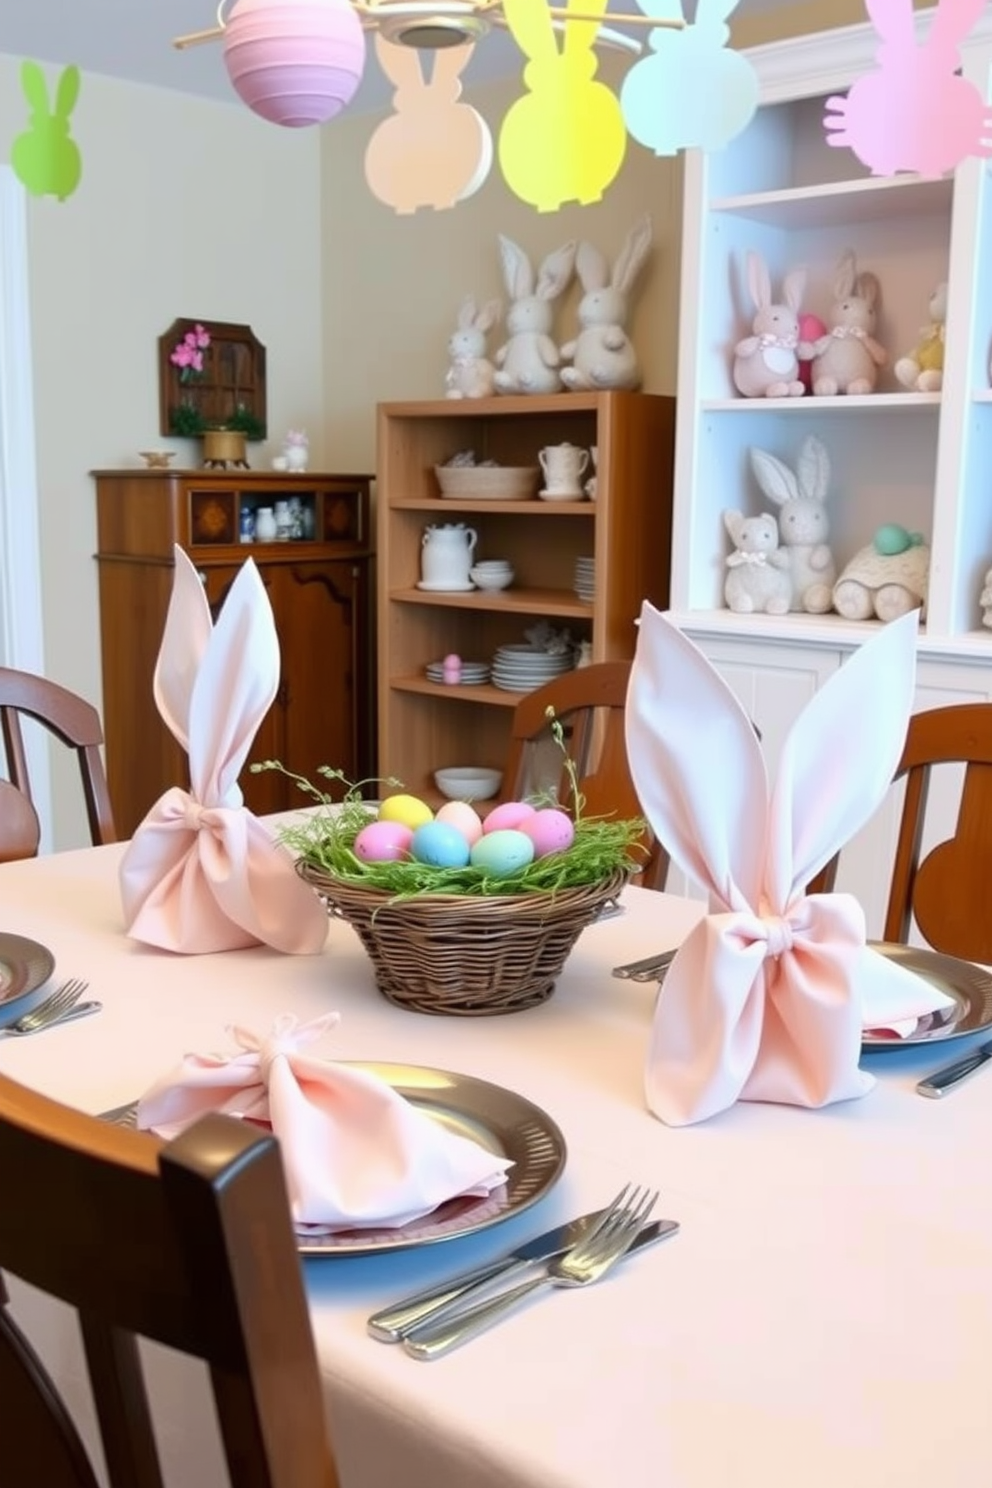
45,159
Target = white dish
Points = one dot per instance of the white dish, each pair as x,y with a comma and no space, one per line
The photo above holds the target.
969,985
444,588
468,782
575,495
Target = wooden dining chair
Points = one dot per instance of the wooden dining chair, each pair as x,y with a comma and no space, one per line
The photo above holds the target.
589,703
188,1243
72,720
20,830
946,890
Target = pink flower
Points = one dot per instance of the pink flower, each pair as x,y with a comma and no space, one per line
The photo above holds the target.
202,338
182,356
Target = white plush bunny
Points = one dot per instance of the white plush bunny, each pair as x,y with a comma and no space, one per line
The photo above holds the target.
765,363
602,355
758,578
470,373
802,521
529,361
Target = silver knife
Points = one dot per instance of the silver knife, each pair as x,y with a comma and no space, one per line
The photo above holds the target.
945,1079
433,1338
638,970
394,1322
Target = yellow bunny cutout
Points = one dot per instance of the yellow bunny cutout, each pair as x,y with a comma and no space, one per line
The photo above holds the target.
565,139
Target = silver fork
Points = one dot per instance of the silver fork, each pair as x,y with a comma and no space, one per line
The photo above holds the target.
50,1011
586,1262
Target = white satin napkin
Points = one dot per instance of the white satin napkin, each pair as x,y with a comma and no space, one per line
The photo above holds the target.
355,1152
768,996
201,872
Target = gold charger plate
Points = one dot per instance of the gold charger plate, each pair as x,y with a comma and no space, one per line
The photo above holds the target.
506,1123
969,985
24,966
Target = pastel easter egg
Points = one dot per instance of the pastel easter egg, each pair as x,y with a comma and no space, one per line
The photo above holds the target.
440,845
383,842
503,852
459,814
409,810
507,817
550,831
891,539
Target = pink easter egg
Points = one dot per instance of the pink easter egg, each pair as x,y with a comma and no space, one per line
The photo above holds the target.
550,831
460,814
811,328
383,842
508,816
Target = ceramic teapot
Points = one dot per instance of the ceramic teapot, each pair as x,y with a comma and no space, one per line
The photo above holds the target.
447,554
563,466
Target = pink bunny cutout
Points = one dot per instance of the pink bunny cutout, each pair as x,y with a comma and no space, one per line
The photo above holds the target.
768,995
433,151
202,873
914,113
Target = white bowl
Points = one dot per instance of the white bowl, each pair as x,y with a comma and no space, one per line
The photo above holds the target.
468,782
491,578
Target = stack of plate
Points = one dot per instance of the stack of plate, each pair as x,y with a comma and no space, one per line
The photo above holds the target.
522,668
473,673
585,579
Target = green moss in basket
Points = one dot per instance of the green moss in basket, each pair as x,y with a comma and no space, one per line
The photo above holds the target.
324,839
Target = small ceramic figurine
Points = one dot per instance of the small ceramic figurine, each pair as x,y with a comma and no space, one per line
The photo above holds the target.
296,448
470,373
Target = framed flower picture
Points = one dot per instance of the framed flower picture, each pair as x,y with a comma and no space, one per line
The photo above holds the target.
211,376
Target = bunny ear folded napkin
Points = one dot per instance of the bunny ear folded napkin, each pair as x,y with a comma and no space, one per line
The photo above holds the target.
202,873
767,998
356,1154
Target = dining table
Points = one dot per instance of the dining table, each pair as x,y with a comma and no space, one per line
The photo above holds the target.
823,1317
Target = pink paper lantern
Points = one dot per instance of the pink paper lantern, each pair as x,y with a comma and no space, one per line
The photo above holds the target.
294,62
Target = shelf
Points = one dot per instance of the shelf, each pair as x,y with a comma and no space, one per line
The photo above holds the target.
503,601
532,507
841,404
838,203
498,696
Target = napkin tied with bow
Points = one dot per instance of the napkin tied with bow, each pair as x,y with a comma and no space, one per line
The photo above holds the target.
767,997
201,872
355,1152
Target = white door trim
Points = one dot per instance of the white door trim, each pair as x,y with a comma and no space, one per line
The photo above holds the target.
21,628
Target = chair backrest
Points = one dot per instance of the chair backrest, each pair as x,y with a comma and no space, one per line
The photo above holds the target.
188,1243
589,703
947,892
20,830
72,720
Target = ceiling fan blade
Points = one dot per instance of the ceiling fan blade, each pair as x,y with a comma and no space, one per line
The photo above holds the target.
605,36
197,38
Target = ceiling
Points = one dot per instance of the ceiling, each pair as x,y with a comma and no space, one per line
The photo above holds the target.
132,39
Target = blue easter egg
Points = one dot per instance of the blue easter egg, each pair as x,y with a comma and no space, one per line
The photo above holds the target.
440,845
503,852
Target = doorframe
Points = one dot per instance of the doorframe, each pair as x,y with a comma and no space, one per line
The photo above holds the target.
21,614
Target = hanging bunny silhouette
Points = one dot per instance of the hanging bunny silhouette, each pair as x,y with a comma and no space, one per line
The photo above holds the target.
432,151
565,139
914,113
694,92
44,158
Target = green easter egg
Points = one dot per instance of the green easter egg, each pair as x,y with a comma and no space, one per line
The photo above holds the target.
891,539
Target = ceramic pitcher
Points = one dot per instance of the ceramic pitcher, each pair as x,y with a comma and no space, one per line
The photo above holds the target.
447,555
563,466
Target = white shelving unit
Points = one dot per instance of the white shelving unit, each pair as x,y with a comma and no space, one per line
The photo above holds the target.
921,460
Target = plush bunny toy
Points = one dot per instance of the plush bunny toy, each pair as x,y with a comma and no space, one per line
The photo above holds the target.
847,358
922,369
602,355
470,373
757,570
529,361
765,363
802,521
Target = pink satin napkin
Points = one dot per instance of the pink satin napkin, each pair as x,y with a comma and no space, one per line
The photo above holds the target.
768,996
355,1152
201,872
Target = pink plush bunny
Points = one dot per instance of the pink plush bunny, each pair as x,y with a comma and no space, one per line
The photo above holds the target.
765,363
914,113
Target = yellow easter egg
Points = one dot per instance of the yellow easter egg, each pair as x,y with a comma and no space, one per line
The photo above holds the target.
410,811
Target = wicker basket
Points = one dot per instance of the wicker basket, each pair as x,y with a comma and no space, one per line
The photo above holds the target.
488,482
467,955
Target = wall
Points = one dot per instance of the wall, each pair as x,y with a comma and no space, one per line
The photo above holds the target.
186,207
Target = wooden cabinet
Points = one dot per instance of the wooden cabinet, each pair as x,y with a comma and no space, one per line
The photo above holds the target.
318,581
424,725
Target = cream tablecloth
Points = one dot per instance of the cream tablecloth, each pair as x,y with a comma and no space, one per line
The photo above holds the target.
823,1319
